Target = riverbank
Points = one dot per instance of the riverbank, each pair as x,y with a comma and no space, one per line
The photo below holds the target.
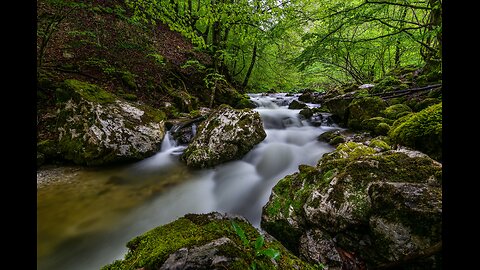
54,174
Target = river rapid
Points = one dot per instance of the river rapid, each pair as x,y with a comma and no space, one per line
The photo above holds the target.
86,217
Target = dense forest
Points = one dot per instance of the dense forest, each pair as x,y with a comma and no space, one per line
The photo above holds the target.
336,104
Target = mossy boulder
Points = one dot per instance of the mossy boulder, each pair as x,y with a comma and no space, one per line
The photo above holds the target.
205,241
184,101
364,108
338,107
245,102
421,131
372,125
310,96
360,199
297,105
226,135
332,137
387,84
97,128
396,111
425,103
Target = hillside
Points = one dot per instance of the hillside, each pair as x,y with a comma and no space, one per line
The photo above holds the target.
99,43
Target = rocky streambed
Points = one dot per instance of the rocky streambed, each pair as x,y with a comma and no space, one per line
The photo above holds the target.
307,195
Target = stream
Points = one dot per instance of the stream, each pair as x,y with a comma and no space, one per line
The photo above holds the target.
85,220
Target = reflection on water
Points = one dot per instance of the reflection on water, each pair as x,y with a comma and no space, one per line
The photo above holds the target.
85,222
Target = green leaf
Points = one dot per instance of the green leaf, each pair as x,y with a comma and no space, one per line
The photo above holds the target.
253,266
271,253
240,233
259,242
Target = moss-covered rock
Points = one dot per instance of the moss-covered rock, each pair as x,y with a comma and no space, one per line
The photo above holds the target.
338,205
396,111
387,84
206,241
184,101
381,129
422,131
77,90
297,105
426,102
364,108
244,103
377,125
96,128
226,135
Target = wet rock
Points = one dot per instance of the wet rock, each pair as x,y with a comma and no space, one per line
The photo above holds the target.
95,127
297,105
380,205
306,113
311,97
226,135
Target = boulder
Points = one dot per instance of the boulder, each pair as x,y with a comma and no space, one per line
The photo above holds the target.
95,127
363,108
396,111
226,135
297,105
362,204
421,131
207,241
310,96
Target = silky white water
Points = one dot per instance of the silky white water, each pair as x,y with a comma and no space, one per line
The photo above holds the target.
85,223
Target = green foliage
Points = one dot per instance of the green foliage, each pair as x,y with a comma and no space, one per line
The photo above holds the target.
159,59
195,64
258,245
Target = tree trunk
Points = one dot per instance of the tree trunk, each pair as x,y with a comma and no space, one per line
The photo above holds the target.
252,64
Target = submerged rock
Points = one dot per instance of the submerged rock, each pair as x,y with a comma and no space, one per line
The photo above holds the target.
362,204
206,241
97,128
226,135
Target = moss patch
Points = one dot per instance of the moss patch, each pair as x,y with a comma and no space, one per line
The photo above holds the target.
151,249
364,108
422,131
88,91
394,112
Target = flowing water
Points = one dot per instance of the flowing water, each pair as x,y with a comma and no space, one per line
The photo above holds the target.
85,220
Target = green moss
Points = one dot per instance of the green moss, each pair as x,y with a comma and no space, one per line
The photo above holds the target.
244,103
88,91
337,140
377,143
381,129
345,153
421,131
364,108
151,249
386,84
393,112
423,104
151,114
371,123
128,79
129,96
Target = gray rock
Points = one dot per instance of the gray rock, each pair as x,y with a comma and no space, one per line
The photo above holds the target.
99,132
226,135
208,256
376,206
